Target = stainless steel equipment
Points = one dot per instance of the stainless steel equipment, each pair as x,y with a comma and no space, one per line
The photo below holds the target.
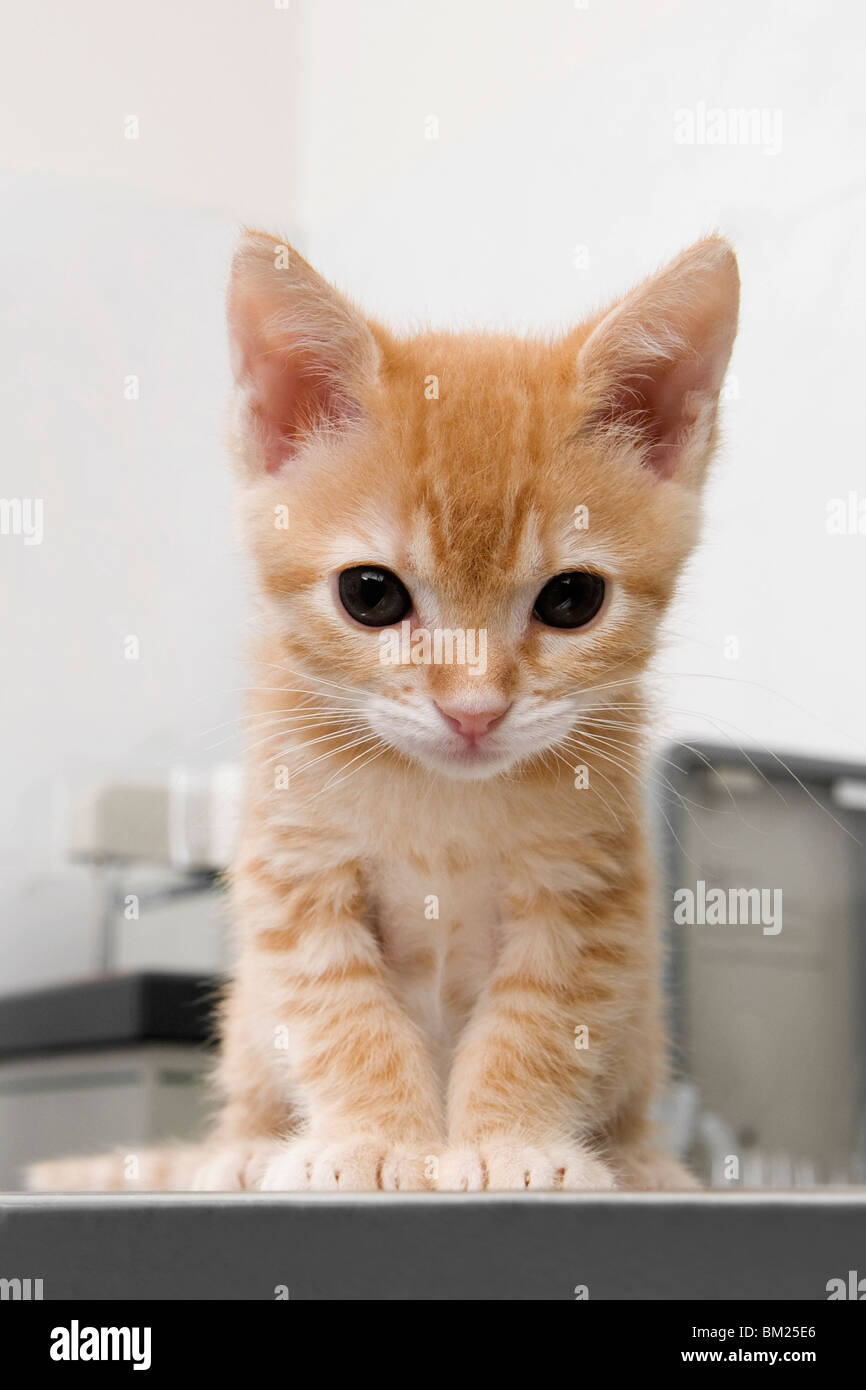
764,909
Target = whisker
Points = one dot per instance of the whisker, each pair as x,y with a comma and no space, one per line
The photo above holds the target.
331,782
329,753
305,728
376,754
630,773
654,757
644,773
291,723
604,799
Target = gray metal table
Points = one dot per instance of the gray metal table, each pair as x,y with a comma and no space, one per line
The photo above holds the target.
722,1246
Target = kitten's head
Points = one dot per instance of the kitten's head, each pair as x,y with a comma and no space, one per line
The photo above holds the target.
466,541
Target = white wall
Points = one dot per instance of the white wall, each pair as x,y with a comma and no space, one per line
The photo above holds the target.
115,254
555,131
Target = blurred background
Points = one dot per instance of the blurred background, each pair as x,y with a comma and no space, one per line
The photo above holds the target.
508,164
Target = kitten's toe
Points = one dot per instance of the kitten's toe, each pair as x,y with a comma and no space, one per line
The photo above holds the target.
462,1170
290,1169
361,1164
512,1169
348,1167
236,1168
405,1171
503,1167
581,1171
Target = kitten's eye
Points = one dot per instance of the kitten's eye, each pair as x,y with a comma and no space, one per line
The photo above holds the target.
570,600
373,596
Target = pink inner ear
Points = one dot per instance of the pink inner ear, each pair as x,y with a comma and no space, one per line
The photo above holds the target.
291,386
290,396
657,361
660,402
660,397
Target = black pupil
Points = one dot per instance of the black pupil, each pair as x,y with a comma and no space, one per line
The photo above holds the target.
373,596
570,600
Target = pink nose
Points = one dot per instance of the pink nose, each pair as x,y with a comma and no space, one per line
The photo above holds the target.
472,725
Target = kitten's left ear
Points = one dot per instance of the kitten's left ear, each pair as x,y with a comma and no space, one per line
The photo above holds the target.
652,369
302,355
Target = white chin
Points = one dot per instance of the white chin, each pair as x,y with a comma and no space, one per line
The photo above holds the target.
478,771
463,766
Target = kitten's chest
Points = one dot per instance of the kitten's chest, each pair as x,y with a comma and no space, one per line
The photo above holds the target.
440,935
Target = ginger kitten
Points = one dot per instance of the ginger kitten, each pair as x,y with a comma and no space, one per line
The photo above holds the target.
448,967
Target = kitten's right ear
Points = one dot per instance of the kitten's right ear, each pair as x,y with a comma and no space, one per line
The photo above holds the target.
653,367
300,352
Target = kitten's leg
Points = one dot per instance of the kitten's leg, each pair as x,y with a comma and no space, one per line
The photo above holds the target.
257,1113
328,1032
566,1024
309,1015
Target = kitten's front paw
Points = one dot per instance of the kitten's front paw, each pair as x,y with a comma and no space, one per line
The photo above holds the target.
234,1168
497,1166
362,1164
